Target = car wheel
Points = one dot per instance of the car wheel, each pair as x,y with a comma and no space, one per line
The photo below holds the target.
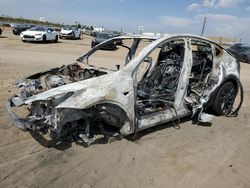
14,32
224,100
245,59
0,31
73,36
60,36
44,38
56,39
24,40
92,44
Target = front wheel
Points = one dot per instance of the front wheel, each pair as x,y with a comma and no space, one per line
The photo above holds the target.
44,38
74,36
245,59
56,39
224,100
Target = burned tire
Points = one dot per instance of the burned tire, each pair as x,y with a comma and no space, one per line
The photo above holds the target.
224,100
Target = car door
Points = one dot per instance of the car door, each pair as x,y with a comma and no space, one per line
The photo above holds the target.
162,81
50,34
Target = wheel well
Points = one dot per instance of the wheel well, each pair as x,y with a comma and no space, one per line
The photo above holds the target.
112,114
213,96
235,83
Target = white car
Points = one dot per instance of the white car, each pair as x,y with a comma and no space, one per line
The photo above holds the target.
39,33
70,32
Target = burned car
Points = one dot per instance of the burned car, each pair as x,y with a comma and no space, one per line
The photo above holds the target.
156,80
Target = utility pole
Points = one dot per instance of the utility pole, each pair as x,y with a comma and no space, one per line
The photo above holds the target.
203,27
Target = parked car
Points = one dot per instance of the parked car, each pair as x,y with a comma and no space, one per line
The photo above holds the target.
101,37
39,33
70,32
17,29
169,78
241,52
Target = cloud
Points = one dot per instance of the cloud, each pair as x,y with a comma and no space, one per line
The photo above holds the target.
248,8
172,21
227,25
214,4
193,6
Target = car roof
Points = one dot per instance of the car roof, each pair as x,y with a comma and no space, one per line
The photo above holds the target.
169,36
157,39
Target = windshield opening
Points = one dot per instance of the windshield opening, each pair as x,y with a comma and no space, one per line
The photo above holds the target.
68,28
104,35
113,55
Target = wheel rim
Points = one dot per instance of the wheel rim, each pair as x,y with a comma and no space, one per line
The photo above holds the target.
227,99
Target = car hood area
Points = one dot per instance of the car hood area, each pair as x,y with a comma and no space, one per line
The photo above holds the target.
58,81
32,32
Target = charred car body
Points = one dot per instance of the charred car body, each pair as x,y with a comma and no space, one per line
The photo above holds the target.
170,78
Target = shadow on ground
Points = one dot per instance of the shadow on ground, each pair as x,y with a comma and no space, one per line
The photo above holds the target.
66,142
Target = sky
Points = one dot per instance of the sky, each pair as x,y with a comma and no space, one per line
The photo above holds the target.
228,18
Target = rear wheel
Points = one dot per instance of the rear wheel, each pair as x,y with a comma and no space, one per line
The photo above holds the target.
224,100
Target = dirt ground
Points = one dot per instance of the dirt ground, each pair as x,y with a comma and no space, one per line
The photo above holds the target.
192,156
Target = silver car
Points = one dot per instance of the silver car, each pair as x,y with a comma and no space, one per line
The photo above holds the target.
158,80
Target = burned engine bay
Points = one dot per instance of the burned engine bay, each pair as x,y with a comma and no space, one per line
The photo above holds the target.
53,78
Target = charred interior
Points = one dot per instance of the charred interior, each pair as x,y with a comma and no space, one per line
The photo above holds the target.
200,77
157,89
